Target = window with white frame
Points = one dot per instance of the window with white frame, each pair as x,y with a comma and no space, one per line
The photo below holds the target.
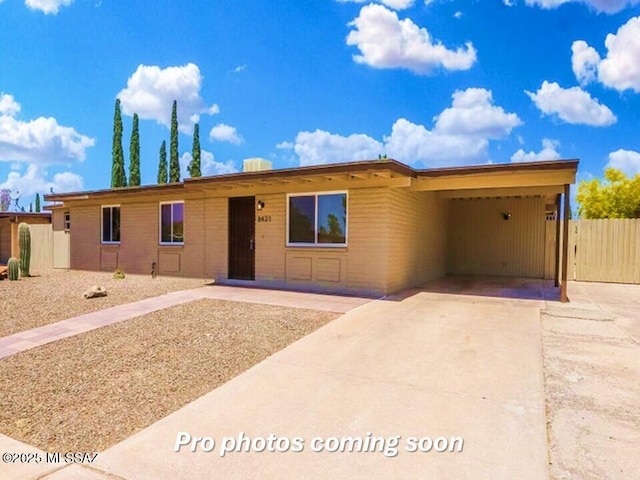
67,221
172,223
111,224
317,219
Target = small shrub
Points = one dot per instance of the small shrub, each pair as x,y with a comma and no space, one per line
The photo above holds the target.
118,274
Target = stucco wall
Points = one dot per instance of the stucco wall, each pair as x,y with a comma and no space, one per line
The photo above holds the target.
482,242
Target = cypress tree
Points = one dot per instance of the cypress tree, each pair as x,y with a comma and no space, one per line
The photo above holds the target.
37,203
162,166
118,176
194,166
31,208
174,164
134,154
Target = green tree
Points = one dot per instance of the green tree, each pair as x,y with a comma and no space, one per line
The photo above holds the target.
31,208
162,166
174,164
134,154
37,203
616,196
194,165
118,176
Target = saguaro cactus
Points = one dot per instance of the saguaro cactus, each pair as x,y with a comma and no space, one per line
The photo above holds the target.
13,266
24,240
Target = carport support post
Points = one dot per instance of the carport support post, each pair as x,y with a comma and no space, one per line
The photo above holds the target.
565,246
557,264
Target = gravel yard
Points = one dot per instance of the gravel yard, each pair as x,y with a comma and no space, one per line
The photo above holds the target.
88,392
57,295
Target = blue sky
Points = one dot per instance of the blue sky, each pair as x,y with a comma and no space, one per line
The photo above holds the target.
300,82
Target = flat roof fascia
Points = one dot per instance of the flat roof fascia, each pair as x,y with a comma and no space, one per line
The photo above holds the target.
571,164
349,168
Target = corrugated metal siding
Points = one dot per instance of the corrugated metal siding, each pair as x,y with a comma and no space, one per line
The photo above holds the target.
481,242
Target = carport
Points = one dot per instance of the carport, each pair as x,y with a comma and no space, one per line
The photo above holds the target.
497,216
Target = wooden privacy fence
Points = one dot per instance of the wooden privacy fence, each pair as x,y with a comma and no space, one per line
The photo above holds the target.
41,247
605,250
599,250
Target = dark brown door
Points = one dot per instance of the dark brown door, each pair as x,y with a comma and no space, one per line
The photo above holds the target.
242,230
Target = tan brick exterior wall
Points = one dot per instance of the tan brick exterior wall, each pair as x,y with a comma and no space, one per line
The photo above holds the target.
395,240
271,238
215,242
5,240
85,237
416,250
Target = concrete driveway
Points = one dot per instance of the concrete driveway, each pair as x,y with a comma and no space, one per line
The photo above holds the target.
430,365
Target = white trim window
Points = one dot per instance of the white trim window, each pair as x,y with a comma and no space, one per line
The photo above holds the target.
110,216
172,223
317,219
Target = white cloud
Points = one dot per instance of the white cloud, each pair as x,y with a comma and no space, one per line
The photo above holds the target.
620,69
285,146
40,141
8,104
549,152
572,105
208,165
626,160
385,41
151,91
607,6
225,133
412,143
320,147
460,136
396,4
457,15
584,62
34,180
47,6
509,3
473,113
239,68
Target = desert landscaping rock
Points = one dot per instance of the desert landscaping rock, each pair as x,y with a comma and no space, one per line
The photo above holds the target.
88,392
95,292
54,295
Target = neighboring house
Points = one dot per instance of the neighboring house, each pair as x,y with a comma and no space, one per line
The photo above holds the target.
371,227
9,222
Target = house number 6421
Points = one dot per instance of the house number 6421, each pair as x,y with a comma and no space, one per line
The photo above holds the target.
264,218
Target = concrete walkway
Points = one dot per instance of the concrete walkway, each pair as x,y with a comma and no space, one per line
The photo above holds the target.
429,365
28,339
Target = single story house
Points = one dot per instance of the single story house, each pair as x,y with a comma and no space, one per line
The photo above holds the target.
9,221
370,227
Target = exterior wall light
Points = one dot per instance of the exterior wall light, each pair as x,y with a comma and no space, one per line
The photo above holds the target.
506,215
260,205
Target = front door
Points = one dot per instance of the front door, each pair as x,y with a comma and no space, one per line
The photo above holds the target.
242,230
